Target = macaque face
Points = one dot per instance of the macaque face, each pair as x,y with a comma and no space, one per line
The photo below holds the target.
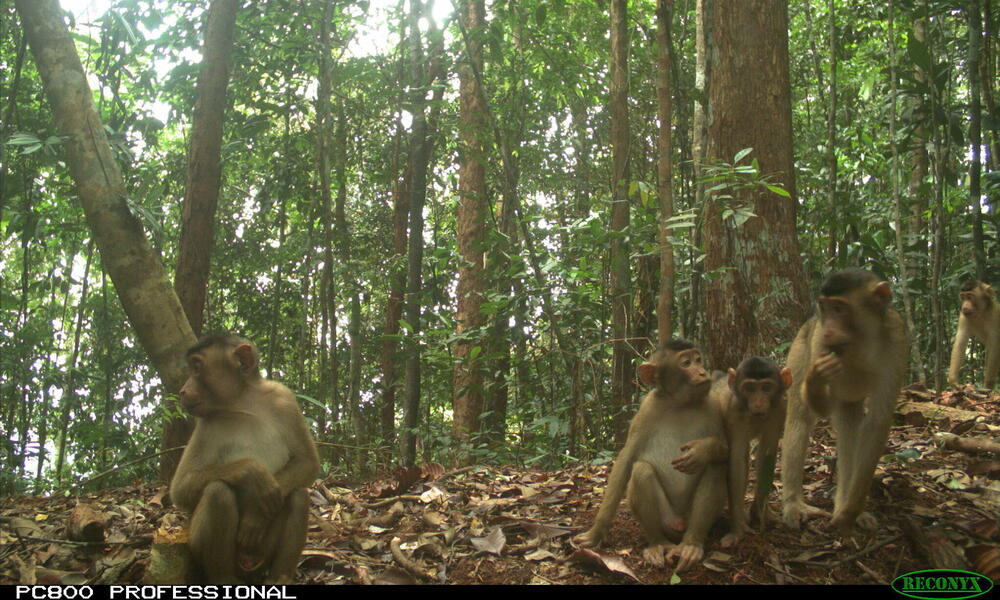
974,301
671,371
757,394
218,374
838,323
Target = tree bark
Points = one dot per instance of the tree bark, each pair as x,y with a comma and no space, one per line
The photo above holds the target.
140,281
204,170
621,292
976,138
467,381
664,170
760,298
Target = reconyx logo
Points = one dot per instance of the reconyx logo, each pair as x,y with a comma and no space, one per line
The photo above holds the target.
942,584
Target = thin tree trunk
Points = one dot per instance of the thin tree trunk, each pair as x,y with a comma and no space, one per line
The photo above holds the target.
421,148
149,300
976,139
467,381
831,128
330,364
204,169
664,171
69,391
621,289
916,358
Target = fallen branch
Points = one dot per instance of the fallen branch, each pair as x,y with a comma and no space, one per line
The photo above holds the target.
406,563
951,441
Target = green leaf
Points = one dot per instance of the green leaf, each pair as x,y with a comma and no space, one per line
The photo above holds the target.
739,155
777,189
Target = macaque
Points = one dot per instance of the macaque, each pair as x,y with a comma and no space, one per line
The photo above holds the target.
672,462
980,317
752,398
244,472
847,362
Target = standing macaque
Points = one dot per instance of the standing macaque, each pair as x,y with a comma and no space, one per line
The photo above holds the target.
980,317
244,473
847,362
752,398
672,462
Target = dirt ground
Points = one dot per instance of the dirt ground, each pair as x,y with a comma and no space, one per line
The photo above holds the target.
937,507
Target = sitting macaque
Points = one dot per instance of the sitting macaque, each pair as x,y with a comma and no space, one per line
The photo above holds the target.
672,462
244,472
980,317
752,398
848,362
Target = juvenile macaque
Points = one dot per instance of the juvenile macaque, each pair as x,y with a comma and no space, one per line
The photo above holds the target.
752,398
671,462
847,362
980,317
244,473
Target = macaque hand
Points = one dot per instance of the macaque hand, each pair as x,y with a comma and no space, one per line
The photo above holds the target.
824,368
687,555
266,493
694,459
590,538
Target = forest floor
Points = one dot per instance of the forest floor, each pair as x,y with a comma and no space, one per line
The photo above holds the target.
937,507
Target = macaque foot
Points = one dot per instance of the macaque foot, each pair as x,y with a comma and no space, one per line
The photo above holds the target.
796,512
589,539
733,537
654,553
845,524
687,555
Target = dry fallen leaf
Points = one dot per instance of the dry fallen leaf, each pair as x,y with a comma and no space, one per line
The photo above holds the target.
492,543
596,559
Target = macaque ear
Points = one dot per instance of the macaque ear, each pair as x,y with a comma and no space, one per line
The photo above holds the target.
882,292
786,377
647,373
247,356
732,379
988,290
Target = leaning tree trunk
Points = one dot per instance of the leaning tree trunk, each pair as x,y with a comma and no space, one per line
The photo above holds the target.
149,300
759,300
204,170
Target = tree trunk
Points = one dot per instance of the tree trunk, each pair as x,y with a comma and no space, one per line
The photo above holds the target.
421,148
664,170
975,139
760,298
149,300
467,381
621,292
68,399
897,202
204,170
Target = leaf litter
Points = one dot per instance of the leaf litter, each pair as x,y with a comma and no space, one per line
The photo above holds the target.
510,525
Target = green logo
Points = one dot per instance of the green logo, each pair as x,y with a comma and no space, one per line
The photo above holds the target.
942,584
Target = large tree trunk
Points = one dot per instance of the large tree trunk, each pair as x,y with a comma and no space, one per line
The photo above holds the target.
975,138
664,170
149,300
759,300
467,382
204,171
